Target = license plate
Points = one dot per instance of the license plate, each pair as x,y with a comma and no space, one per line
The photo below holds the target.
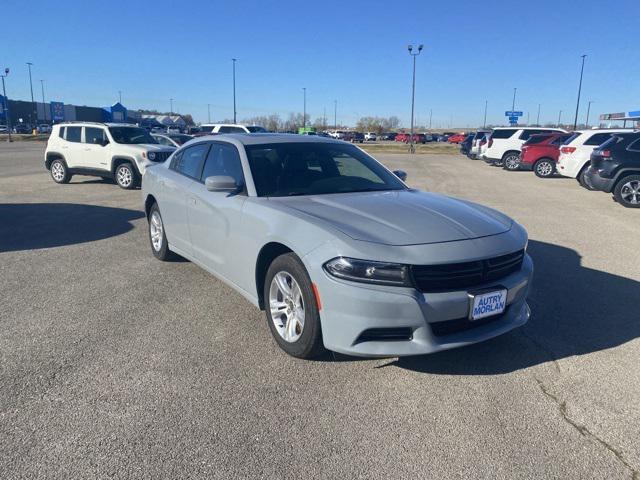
488,304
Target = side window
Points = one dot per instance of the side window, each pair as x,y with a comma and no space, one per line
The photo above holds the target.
223,159
634,146
189,163
231,130
62,131
94,135
597,139
74,134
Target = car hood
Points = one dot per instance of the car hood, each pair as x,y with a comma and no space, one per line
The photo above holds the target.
407,217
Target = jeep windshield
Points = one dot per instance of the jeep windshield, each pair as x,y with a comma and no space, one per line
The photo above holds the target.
131,135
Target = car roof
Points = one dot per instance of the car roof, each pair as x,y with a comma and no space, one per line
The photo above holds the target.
267,138
605,130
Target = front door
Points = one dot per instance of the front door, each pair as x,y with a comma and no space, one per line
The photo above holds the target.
95,154
215,217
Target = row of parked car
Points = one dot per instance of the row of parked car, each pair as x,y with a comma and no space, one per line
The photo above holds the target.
607,160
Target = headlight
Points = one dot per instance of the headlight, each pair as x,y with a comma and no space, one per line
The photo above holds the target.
380,273
151,156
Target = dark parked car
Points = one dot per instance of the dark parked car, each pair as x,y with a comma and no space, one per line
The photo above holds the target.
22,128
389,136
540,153
615,167
357,137
465,145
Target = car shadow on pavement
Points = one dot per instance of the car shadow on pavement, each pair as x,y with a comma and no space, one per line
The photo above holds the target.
576,310
31,226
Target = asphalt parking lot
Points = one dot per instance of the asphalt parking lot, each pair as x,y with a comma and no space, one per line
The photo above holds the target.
113,364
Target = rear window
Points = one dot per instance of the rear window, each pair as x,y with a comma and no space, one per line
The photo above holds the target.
231,130
598,138
633,147
527,133
560,139
62,130
571,138
508,133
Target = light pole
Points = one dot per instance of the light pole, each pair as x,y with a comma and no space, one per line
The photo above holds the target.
430,117
33,103
335,114
527,119
120,96
513,103
44,108
171,106
234,89
538,117
575,121
586,122
209,112
559,116
6,104
412,148
484,122
304,107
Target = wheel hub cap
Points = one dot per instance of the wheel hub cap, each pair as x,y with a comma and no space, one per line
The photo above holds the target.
630,192
124,176
155,229
57,171
286,306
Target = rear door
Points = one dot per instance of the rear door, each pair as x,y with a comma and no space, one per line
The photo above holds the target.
72,147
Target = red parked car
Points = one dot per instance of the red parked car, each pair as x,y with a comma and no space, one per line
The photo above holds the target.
406,137
540,153
457,138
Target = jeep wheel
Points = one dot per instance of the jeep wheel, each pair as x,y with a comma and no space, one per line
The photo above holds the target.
59,172
125,176
627,191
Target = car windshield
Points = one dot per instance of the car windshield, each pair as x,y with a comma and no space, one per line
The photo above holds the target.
256,129
131,135
310,168
571,138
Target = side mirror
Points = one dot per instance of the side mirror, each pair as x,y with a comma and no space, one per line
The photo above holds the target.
104,142
401,174
221,183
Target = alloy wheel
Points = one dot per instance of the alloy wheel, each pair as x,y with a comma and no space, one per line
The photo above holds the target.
544,169
124,176
155,229
57,171
630,192
287,306
511,162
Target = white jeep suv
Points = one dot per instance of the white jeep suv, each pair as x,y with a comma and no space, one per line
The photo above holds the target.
111,150
505,144
216,128
575,152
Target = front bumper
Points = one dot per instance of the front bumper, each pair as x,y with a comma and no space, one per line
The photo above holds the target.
435,321
594,179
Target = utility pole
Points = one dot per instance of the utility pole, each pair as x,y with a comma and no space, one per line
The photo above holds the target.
430,117
171,103
209,112
6,104
33,103
538,117
234,90
335,114
559,116
324,118
119,96
527,119
575,121
412,147
586,122
484,122
44,108
304,107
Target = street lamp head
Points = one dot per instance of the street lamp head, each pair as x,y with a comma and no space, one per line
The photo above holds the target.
410,48
420,47
6,71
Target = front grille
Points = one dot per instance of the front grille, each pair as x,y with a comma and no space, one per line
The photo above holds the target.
456,276
450,327
161,156
385,335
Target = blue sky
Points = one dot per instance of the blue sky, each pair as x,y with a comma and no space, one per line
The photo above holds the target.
352,51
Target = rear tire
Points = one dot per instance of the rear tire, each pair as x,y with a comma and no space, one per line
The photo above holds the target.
582,178
512,163
544,168
126,176
59,171
627,191
289,298
507,156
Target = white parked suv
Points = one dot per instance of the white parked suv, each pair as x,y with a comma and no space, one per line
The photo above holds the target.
370,137
111,150
505,144
575,152
216,128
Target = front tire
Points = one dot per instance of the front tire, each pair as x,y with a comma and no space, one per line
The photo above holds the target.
59,171
627,191
126,176
291,309
157,235
544,168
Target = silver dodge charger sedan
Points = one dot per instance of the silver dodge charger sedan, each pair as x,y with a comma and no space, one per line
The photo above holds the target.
338,250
